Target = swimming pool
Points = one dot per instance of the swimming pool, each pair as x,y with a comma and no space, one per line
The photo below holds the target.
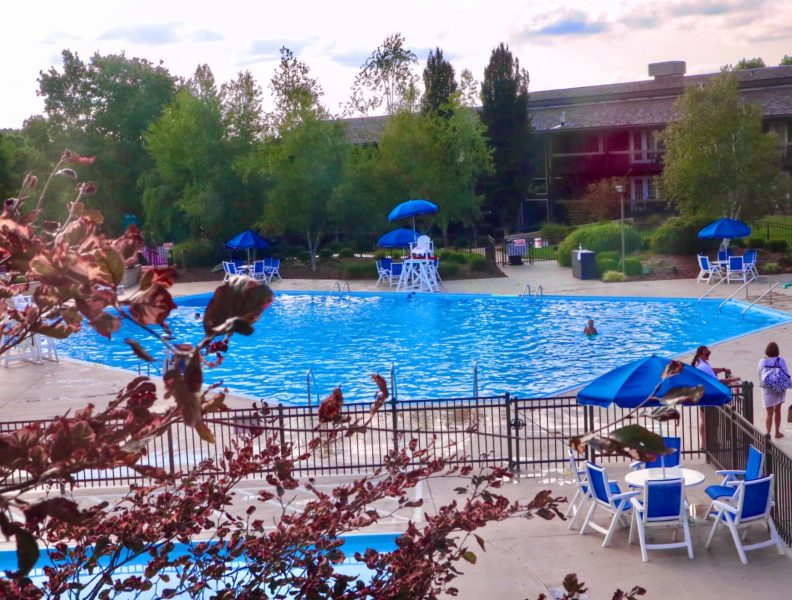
382,542
531,348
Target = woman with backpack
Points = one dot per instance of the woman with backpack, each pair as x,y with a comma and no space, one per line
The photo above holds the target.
774,378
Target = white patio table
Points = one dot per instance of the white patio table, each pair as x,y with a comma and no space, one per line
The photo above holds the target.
639,477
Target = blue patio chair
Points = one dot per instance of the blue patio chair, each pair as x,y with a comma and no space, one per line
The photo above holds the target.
582,489
707,270
396,271
230,269
749,259
272,267
602,496
663,460
663,505
384,270
752,503
735,270
260,271
731,478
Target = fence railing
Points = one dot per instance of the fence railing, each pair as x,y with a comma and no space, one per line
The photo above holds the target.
529,435
507,252
773,231
727,438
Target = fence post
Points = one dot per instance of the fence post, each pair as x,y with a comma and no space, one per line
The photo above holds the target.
280,426
768,466
510,454
171,461
590,427
733,444
395,424
747,390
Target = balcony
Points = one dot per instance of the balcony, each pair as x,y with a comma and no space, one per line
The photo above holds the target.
612,164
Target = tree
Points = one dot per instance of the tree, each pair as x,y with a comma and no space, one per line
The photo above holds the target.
439,82
745,63
601,202
504,111
470,94
242,112
787,60
386,78
718,161
305,168
103,109
296,94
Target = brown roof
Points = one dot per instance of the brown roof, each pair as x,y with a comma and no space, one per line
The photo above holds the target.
630,104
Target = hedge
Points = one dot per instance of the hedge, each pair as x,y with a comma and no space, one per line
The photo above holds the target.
360,270
606,264
632,267
599,238
679,235
776,245
477,262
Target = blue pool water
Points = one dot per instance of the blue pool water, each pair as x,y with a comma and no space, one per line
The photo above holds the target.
524,347
382,542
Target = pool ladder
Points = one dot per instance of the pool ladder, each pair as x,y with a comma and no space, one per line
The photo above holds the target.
526,292
340,286
310,379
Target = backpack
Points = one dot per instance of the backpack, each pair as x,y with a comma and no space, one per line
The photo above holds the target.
776,379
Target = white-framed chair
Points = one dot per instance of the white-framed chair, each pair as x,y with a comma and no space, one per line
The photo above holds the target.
754,465
384,271
582,491
751,504
602,496
708,270
663,460
272,266
749,259
230,269
260,271
28,349
663,506
736,271
423,246
396,269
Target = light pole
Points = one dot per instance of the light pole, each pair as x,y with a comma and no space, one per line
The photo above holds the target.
620,190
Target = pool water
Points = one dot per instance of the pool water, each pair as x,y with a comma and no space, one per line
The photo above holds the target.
382,542
529,348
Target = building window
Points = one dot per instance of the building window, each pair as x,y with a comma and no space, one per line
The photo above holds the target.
644,147
642,190
781,129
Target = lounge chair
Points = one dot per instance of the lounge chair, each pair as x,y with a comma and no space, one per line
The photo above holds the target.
602,496
752,503
707,270
663,506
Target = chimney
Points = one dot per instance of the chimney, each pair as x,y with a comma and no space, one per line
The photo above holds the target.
671,69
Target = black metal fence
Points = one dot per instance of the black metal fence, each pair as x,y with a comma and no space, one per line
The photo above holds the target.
773,231
727,438
520,251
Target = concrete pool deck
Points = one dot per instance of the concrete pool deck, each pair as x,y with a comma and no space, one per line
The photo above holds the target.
523,558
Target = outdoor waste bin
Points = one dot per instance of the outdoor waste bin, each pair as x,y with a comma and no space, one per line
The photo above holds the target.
584,264
516,252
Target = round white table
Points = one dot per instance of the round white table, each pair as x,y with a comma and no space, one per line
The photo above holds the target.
639,477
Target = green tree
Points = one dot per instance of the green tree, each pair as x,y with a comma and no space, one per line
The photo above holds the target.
439,82
305,168
241,107
504,111
470,94
745,63
103,108
718,161
296,94
787,60
386,78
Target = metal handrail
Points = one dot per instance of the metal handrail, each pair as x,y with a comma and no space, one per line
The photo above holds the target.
394,393
733,294
475,379
527,286
752,304
539,292
710,290
526,292
309,378
340,285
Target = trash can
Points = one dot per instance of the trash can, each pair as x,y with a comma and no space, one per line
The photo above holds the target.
584,264
516,252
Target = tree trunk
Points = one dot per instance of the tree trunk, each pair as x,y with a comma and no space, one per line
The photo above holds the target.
311,249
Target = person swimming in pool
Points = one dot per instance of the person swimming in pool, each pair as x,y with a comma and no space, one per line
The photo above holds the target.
589,329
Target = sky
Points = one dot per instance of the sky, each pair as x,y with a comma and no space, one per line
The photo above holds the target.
562,43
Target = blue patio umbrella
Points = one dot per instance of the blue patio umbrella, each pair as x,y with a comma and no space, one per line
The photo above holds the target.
248,240
398,238
629,385
412,209
725,229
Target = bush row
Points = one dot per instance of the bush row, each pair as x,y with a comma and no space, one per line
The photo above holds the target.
603,237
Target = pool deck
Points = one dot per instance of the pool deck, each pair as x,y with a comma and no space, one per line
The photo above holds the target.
523,557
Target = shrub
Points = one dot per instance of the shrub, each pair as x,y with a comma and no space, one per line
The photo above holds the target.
459,258
770,268
756,242
554,232
325,253
477,262
199,253
380,254
776,245
599,238
632,267
334,247
346,253
444,254
606,264
359,270
303,256
396,254
612,276
609,254
293,251
679,235
448,270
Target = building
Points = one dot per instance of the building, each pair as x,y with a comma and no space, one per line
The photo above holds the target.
589,133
